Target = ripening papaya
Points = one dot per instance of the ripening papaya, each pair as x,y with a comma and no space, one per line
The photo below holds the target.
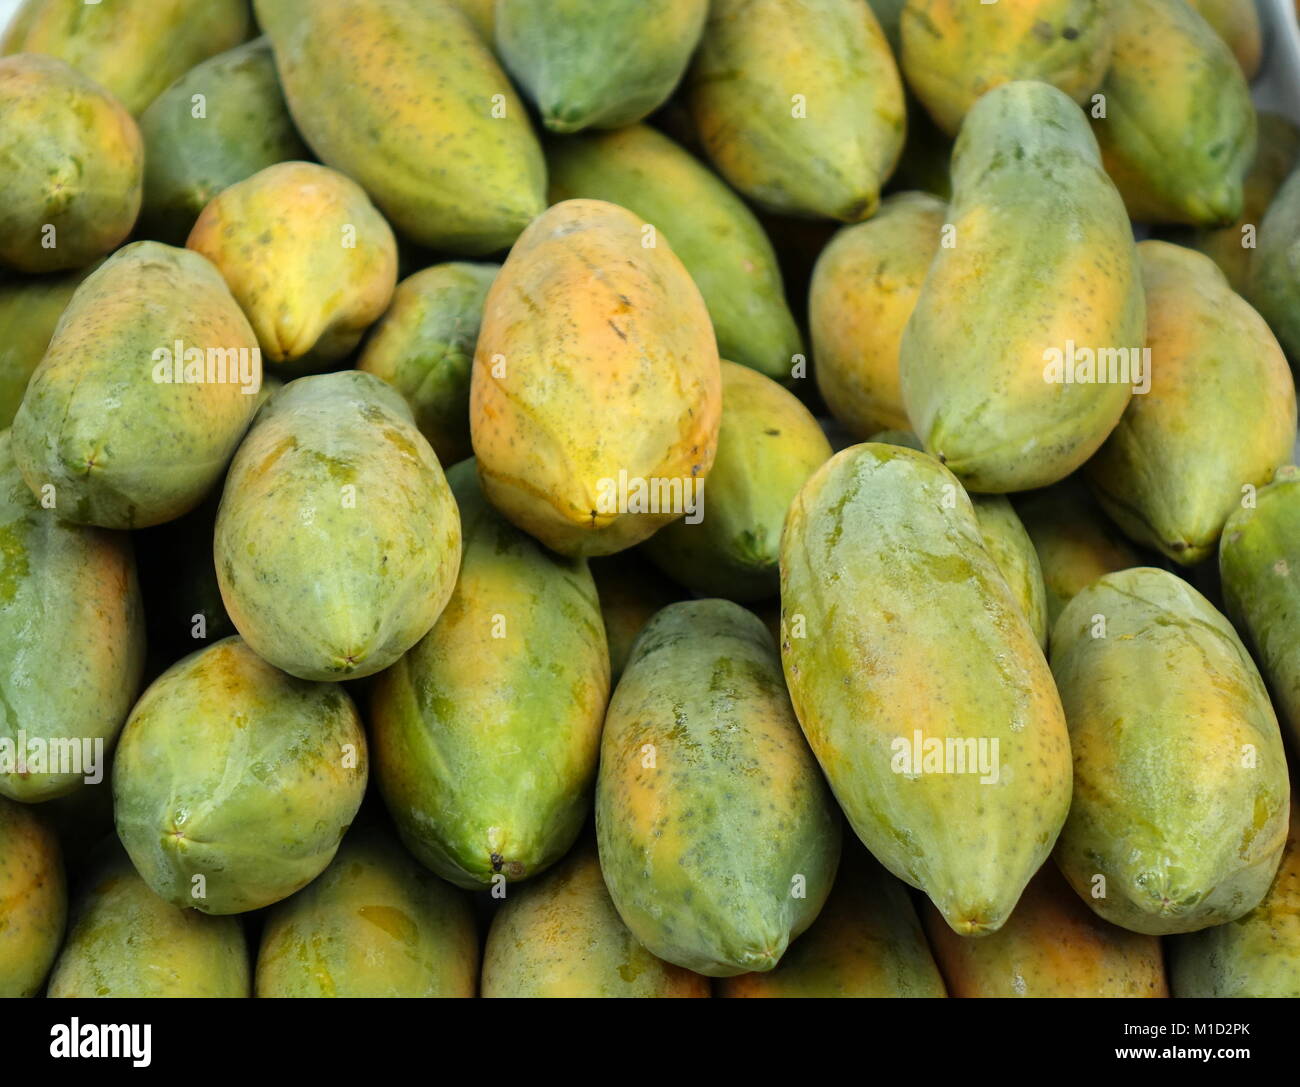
1237,23
1274,284
997,367
33,899
631,591
1181,793
799,104
1217,419
589,331
919,684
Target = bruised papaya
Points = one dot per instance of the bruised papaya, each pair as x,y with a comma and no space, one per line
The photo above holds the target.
631,590
988,361
487,732
337,539
1218,417
233,783
919,684
1274,285
799,104
1181,794
586,331
560,936
33,899
1237,23
718,839
708,226
768,446
373,924
406,99
154,332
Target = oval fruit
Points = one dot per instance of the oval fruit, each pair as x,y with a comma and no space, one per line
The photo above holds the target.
33,899
1237,23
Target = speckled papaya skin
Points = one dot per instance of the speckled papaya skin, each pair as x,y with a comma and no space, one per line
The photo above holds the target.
233,771
974,358
33,899
1274,284
1181,792
896,620
337,539
718,838
1237,23
373,924
587,331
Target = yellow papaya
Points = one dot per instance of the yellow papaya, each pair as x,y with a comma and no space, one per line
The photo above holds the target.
1180,801
33,899
1274,283
586,331
1237,23
631,590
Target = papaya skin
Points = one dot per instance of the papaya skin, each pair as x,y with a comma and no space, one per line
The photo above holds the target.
33,899
1169,830
1237,23
1274,285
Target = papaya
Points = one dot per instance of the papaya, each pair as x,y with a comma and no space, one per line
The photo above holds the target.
1257,955
631,590
74,167
403,97
221,122
424,347
33,899
708,226
799,104
1180,802
953,51
597,63
1173,117
125,941
768,446
718,839
889,13
587,331
154,332
864,287
560,936
337,538
1237,23
482,13
1219,416
989,374
133,48
487,732
233,783
307,257
72,643
1051,946
920,702
1274,282
373,924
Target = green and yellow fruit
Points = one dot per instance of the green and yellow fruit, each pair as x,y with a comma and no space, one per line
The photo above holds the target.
33,899
1237,23
1274,286
482,13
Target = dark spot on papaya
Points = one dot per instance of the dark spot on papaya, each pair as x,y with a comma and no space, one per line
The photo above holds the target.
617,331
1070,33
497,861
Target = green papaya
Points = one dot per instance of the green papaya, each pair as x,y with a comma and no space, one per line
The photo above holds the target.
709,227
1181,794
919,684
768,446
1237,23
424,347
221,122
74,167
406,99
513,677
718,839
1274,284
988,362
33,899
373,924
799,104
337,538
154,332
1218,416
560,936
597,63
631,590
233,783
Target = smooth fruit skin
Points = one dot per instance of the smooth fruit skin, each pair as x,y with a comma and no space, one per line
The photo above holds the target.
976,358
125,941
1237,23
718,838
406,99
897,621
233,783
560,937
589,331
373,924
768,446
1274,287
631,591
487,732
709,227
1219,419
597,63
33,899
74,167
1181,793
799,104
166,443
